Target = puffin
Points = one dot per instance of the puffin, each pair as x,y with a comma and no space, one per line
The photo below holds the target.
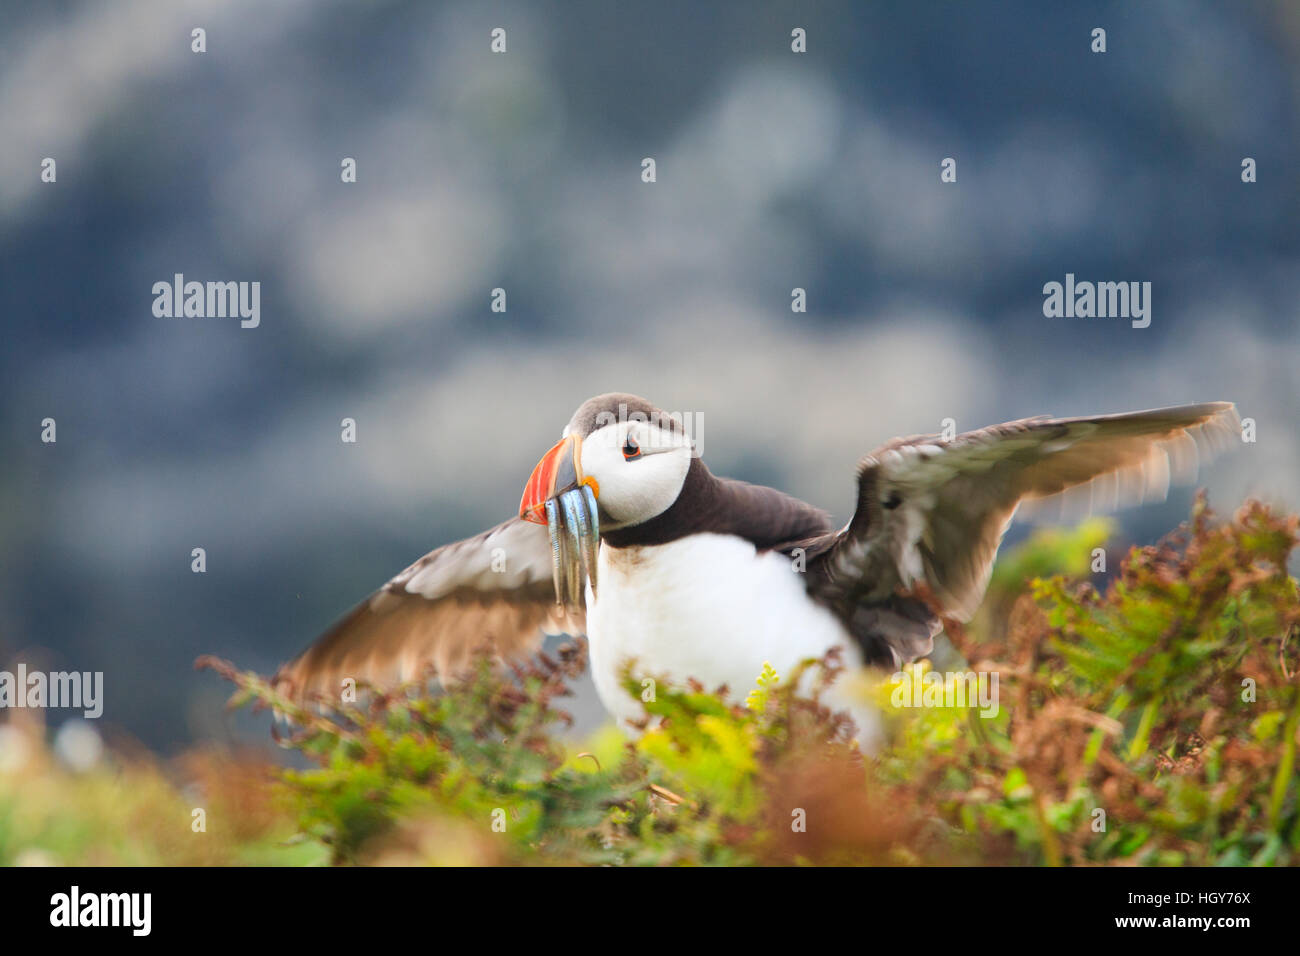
672,573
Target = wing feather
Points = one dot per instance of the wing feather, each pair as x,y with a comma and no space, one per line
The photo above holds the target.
493,590
931,513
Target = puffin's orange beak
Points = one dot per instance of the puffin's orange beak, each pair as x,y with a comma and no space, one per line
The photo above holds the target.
560,470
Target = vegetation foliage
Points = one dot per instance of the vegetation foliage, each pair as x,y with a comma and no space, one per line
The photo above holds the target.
1154,722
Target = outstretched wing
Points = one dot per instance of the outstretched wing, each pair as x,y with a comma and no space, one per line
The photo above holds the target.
931,513
495,589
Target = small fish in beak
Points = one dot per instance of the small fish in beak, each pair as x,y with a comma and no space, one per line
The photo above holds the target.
558,495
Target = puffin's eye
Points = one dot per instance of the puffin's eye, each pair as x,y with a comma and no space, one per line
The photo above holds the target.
631,449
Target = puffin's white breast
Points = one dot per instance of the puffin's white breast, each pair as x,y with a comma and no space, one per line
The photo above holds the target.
706,606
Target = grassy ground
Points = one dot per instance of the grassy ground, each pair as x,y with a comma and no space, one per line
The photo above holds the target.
1154,723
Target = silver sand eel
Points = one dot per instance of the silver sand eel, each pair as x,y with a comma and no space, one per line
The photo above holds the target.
575,540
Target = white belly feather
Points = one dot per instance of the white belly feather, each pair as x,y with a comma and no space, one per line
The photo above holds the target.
706,606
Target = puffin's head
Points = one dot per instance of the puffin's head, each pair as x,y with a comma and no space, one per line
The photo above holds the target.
633,456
